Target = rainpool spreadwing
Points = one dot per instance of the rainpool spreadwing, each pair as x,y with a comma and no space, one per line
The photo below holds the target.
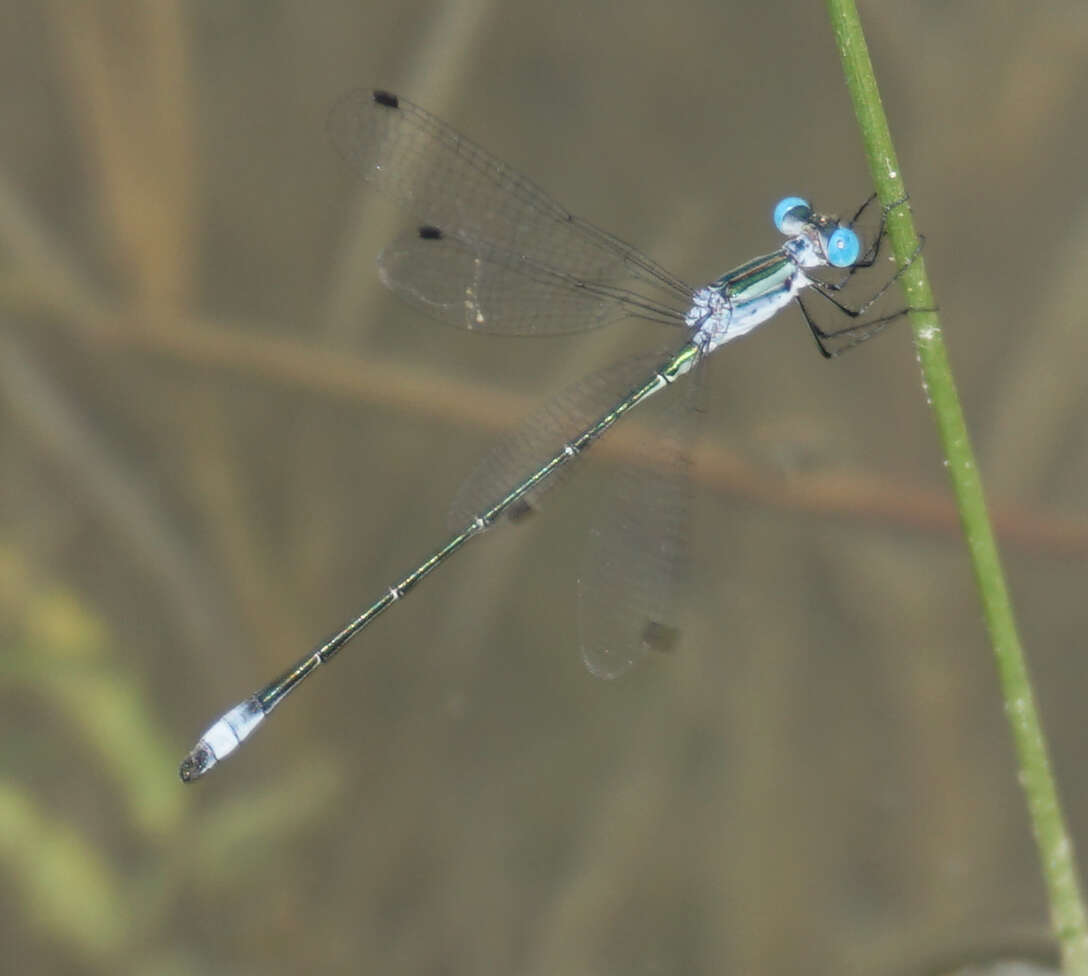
491,252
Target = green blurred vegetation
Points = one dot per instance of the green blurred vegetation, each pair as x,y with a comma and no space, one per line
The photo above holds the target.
219,437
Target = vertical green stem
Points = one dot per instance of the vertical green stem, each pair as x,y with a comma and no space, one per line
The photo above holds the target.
1051,836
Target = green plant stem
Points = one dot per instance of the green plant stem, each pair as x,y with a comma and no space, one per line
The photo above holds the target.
1051,836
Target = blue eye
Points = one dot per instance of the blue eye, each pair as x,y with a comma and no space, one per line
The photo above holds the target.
787,204
843,248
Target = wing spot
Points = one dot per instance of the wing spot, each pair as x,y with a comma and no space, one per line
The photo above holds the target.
520,510
660,637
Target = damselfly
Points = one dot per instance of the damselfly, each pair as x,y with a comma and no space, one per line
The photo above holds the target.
491,252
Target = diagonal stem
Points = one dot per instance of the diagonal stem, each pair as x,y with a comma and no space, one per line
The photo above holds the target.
1048,822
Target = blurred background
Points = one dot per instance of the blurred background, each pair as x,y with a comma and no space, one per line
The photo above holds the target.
220,437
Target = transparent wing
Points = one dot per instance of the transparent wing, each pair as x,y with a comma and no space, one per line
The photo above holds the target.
461,193
543,434
637,558
483,288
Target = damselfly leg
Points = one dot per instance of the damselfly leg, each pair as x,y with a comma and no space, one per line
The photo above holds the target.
833,342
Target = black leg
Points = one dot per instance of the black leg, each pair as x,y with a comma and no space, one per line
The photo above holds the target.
855,334
869,258
860,331
865,206
827,290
